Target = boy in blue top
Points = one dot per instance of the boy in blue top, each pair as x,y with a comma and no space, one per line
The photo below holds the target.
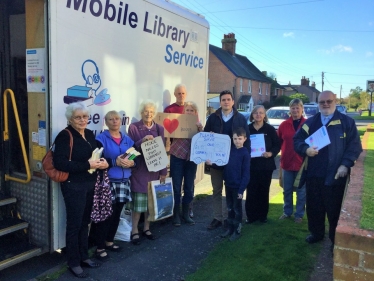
236,178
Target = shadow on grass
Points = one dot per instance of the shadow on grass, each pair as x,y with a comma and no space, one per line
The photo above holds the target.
272,251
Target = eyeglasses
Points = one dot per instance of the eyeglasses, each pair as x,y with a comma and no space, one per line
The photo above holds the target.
78,118
148,112
322,102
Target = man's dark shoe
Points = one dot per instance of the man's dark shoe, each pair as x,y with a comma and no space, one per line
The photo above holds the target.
214,224
311,239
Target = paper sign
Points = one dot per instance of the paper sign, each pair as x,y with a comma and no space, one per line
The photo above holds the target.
155,154
177,125
38,152
210,146
35,70
257,145
319,139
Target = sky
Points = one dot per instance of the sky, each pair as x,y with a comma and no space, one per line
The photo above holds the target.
295,38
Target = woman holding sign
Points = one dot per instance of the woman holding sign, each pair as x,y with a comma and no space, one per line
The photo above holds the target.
142,131
262,166
183,170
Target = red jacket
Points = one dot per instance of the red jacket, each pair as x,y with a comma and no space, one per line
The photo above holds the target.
290,160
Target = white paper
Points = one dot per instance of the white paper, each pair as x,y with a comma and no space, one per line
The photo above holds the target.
257,145
35,137
41,137
155,155
210,146
35,70
319,139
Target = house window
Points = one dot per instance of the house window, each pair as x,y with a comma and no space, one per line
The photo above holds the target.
249,86
260,89
241,85
267,89
208,86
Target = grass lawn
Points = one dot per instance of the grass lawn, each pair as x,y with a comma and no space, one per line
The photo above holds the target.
272,251
367,215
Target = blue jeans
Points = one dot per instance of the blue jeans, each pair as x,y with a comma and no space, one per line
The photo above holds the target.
288,180
234,205
182,170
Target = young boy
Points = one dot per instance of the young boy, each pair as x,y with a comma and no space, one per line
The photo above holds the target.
236,178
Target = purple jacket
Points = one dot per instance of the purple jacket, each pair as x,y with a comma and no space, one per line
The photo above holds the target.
140,176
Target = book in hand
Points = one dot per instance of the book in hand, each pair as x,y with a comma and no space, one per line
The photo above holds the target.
130,154
96,155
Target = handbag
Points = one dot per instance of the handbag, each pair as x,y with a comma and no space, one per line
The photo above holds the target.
102,201
50,170
160,199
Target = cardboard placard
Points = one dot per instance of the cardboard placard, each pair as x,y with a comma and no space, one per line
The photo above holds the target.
179,126
210,146
155,154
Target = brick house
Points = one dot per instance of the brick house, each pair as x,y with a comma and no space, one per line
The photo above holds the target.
234,72
303,88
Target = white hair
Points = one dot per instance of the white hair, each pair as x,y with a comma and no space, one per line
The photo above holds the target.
148,103
71,108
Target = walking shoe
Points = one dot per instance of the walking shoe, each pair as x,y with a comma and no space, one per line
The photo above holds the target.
311,239
284,216
214,224
298,220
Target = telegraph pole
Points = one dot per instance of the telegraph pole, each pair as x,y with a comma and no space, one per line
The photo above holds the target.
323,76
340,98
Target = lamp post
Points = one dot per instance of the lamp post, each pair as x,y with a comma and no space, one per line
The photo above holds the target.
370,88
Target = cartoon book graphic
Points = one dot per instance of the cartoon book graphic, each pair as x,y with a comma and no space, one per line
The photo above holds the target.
85,101
79,91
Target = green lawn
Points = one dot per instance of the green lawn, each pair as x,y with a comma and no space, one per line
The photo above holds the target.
272,251
367,215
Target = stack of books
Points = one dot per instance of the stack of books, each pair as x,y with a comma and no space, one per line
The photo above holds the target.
130,154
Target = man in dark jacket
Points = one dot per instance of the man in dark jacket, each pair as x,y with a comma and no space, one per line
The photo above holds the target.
223,121
328,168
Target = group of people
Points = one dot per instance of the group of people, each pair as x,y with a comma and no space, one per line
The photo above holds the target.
326,172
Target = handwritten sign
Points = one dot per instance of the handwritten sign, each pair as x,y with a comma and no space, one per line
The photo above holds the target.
210,146
177,125
155,154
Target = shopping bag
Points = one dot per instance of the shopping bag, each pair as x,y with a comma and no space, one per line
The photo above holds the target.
160,199
124,226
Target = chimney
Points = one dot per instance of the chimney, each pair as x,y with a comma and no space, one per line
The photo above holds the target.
229,43
265,73
289,83
303,81
313,84
307,81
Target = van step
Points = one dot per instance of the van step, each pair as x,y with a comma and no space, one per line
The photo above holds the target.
14,250
5,200
8,225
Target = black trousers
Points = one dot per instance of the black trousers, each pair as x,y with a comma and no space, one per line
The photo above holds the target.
78,199
106,230
321,200
234,206
257,199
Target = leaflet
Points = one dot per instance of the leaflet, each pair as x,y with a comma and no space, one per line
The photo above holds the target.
319,139
257,145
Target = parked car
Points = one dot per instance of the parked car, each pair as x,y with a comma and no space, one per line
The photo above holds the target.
311,109
278,114
342,109
246,115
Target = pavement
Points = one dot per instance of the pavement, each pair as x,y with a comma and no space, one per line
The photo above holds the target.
177,252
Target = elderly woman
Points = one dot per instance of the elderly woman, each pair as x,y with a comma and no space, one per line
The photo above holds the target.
142,131
78,189
257,200
115,144
183,170
291,162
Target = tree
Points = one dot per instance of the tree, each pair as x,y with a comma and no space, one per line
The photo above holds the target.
364,100
282,101
356,92
300,96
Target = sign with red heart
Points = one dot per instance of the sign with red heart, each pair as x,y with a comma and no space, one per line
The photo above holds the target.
170,125
179,126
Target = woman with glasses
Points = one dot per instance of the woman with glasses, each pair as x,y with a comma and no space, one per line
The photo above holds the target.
291,162
78,189
144,130
257,200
